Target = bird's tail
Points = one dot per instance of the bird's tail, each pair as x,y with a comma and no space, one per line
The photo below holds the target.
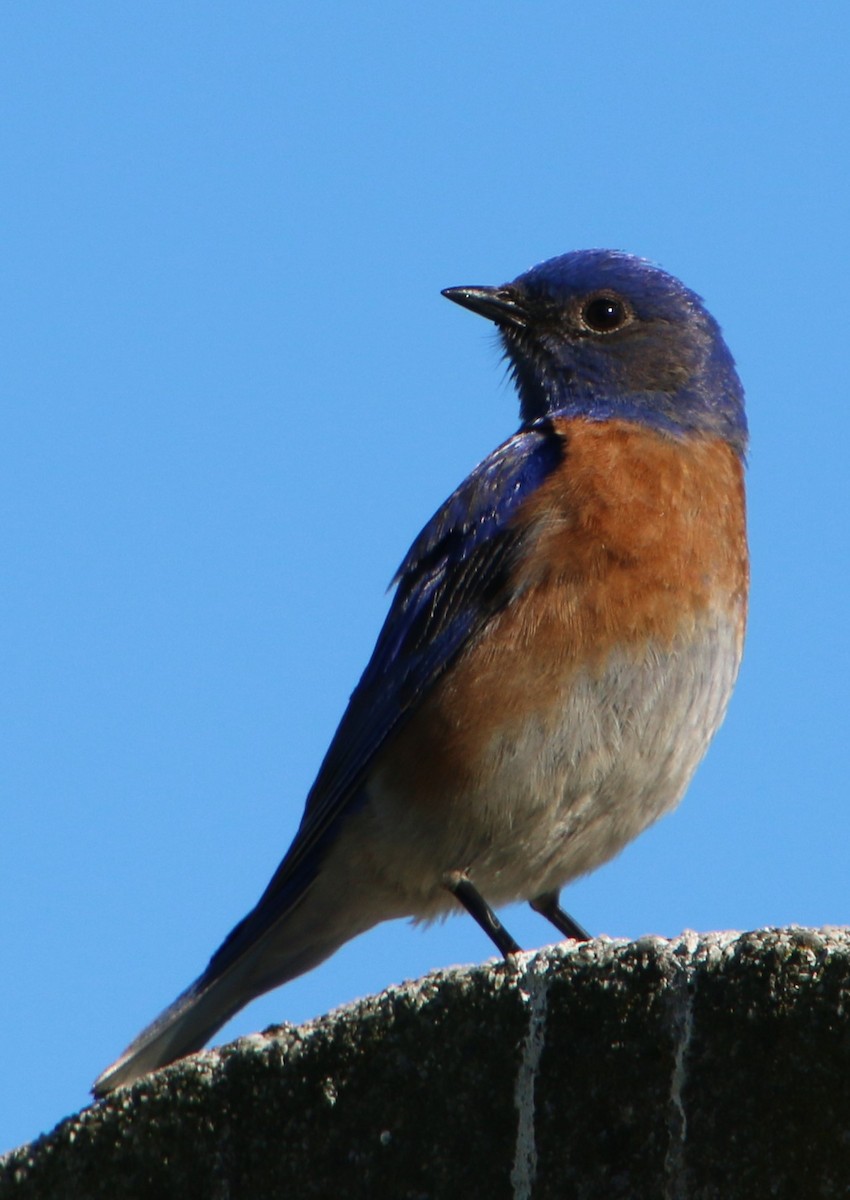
266,949
182,1028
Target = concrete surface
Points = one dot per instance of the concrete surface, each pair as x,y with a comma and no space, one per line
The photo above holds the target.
707,1067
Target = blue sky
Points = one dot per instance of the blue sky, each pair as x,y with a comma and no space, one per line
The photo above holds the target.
232,394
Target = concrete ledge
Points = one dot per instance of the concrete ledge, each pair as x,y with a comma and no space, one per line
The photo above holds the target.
707,1067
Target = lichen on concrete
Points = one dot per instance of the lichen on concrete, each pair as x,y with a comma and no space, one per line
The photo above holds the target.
694,1069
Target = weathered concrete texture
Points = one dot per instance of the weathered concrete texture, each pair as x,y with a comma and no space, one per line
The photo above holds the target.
714,1067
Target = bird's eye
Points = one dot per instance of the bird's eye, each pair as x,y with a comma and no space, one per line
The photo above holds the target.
605,313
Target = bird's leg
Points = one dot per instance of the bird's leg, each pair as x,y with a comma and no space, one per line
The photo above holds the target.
547,905
465,891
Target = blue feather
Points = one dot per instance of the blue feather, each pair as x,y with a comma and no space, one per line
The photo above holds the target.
455,577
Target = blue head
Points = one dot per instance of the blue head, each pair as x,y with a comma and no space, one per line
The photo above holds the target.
600,334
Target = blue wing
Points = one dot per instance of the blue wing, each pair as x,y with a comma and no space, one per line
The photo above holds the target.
455,578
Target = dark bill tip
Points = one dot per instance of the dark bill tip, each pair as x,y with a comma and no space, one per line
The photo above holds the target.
498,304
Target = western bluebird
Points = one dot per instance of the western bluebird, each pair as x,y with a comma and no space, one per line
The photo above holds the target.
561,646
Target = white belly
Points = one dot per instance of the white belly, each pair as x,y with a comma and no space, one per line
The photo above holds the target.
559,793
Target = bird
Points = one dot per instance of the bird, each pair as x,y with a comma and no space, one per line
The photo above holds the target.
561,645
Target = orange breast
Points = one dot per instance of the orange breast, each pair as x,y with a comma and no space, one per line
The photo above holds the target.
637,541
635,536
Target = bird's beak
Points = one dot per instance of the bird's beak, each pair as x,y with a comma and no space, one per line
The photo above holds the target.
500,304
